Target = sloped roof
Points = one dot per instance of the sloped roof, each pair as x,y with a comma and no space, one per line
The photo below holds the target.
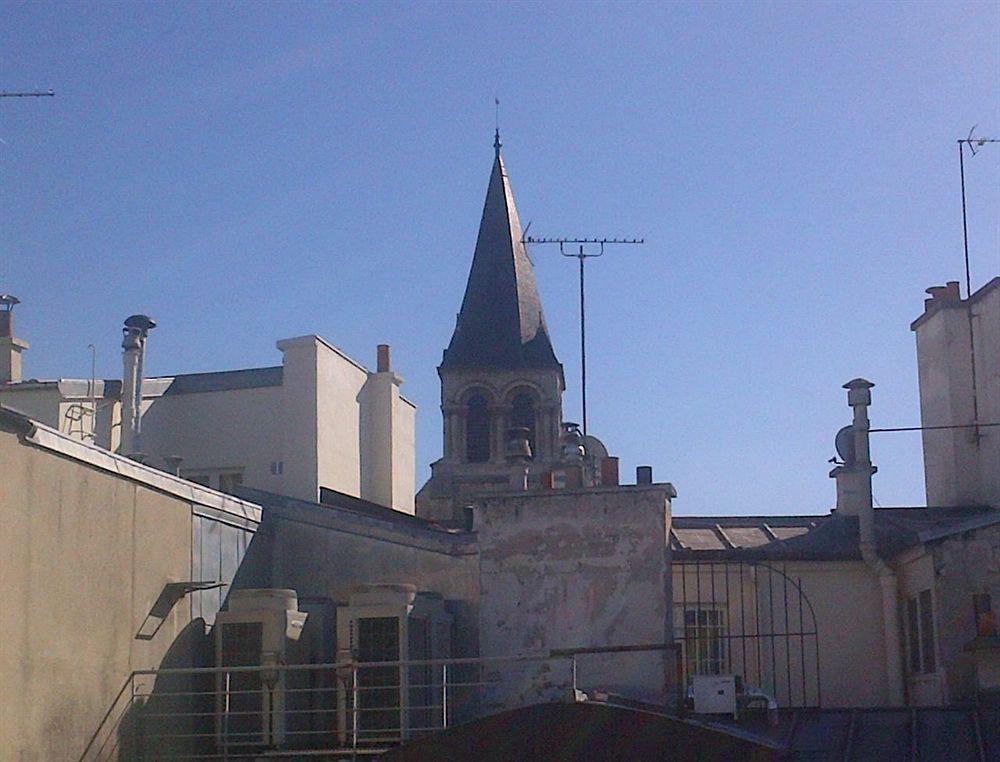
500,325
820,537
341,512
585,732
889,735
224,380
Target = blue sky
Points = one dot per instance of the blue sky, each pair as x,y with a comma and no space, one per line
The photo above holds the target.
247,172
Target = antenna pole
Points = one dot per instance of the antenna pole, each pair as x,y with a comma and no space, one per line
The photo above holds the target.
583,343
972,143
965,222
29,94
582,255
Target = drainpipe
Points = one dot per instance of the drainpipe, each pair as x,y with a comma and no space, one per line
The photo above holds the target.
859,397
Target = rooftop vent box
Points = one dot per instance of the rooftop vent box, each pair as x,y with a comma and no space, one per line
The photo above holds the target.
714,694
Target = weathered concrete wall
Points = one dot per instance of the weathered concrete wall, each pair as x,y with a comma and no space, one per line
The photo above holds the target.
986,332
577,569
84,553
958,470
964,565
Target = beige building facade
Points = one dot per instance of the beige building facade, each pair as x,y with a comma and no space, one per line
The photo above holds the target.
109,566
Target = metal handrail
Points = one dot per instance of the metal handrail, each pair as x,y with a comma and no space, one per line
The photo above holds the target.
104,719
183,724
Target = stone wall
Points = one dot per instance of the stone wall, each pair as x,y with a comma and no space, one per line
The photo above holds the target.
577,569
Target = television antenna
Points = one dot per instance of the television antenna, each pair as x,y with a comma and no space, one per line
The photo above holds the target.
973,143
582,254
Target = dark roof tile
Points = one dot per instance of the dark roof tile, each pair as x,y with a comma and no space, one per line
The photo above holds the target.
500,325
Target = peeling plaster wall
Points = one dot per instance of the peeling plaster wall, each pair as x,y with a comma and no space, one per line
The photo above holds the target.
964,565
577,569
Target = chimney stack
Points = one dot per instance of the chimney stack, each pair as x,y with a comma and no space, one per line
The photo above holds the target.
643,474
949,293
609,471
854,476
381,460
10,346
137,328
383,365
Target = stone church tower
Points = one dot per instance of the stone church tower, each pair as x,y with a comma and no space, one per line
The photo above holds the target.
500,379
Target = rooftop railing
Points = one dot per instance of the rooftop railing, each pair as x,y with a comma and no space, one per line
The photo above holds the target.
348,709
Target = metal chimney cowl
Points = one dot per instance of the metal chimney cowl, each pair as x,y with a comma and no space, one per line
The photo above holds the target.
134,334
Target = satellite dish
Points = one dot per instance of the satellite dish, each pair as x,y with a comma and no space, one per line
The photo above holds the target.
845,445
595,447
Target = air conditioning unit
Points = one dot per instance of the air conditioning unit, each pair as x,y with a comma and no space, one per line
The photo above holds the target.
714,694
391,623
250,648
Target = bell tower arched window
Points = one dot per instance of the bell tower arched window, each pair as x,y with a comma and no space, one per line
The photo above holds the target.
477,430
522,415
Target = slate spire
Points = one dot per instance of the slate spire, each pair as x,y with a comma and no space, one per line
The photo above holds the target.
500,325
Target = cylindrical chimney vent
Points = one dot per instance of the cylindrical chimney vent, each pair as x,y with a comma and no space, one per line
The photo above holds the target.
643,474
10,346
137,328
384,365
7,302
609,471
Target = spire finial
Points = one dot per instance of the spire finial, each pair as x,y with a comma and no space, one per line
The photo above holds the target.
496,135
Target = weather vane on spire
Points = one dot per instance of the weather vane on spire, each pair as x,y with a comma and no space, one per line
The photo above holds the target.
496,134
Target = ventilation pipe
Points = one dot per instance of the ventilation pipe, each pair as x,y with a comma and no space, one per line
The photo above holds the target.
858,499
137,328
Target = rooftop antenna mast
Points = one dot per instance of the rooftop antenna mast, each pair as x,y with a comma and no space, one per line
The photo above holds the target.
972,143
28,94
583,255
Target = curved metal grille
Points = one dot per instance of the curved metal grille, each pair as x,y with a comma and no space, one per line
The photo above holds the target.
752,620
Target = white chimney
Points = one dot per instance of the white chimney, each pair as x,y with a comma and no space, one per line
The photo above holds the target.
379,399
134,335
10,347
854,475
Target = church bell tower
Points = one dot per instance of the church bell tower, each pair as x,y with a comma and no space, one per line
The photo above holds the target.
501,384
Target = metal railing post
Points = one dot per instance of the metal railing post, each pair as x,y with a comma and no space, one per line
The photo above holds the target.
225,718
574,676
355,693
444,695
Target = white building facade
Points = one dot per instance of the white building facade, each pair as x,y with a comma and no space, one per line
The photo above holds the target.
318,420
